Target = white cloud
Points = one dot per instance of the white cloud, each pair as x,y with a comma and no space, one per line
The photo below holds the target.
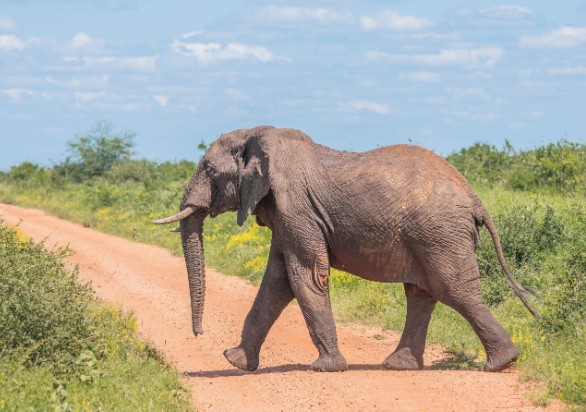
568,71
210,52
473,115
117,107
498,16
190,108
370,106
483,57
236,95
10,43
16,95
296,14
80,40
392,20
84,42
140,64
6,23
80,82
87,97
423,77
162,100
562,38
513,12
192,34
476,93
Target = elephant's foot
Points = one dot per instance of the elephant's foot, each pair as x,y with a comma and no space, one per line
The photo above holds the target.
329,363
402,360
502,359
241,359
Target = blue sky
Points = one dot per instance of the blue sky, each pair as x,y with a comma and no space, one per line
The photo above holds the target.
352,74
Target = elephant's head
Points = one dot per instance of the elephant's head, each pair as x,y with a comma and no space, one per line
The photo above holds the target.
233,175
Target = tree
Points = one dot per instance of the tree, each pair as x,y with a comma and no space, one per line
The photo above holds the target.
95,152
25,171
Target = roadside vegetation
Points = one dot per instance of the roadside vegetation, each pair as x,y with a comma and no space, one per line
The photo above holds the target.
537,198
62,349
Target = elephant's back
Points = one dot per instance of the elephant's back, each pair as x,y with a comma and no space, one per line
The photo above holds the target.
405,169
407,185
412,160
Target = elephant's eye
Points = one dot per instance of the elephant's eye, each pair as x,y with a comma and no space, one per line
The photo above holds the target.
210,170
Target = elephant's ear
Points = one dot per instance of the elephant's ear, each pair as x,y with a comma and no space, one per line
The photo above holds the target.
254,181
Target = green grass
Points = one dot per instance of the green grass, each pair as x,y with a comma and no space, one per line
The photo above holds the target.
542,226
542,235
62,349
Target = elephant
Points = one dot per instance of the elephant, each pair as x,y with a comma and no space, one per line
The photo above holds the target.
394,214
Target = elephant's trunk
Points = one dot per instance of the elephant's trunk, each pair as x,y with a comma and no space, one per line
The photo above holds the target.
194,208
191,237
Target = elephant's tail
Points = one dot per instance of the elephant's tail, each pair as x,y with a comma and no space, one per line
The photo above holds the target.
520,290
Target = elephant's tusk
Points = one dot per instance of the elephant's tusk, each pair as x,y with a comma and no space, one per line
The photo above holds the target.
175,230
175,218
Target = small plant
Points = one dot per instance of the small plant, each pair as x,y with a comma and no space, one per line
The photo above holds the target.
528,235
59,345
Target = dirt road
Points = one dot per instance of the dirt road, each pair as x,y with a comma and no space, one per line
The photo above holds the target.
153,283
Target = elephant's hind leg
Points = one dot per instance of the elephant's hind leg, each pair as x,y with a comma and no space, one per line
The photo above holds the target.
409,352
462,293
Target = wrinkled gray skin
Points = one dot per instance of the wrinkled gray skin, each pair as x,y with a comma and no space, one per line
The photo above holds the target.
395,214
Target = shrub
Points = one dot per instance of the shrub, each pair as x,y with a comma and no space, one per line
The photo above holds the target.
528,235
96,152
60,349
566,303
132,171
151,175
40,307
559,166
483,163
25,171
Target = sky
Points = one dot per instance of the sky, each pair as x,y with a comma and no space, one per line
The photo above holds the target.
353,74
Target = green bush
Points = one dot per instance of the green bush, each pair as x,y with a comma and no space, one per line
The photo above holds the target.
96,152
529,234
62,349
558,167
133,171
149,174
566,304
483,163
26,171
40,307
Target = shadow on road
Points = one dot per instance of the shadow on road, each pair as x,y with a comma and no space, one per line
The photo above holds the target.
455,361
273,369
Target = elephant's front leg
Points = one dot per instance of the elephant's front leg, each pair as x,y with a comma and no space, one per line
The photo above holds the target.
310,286
409,352
273,296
